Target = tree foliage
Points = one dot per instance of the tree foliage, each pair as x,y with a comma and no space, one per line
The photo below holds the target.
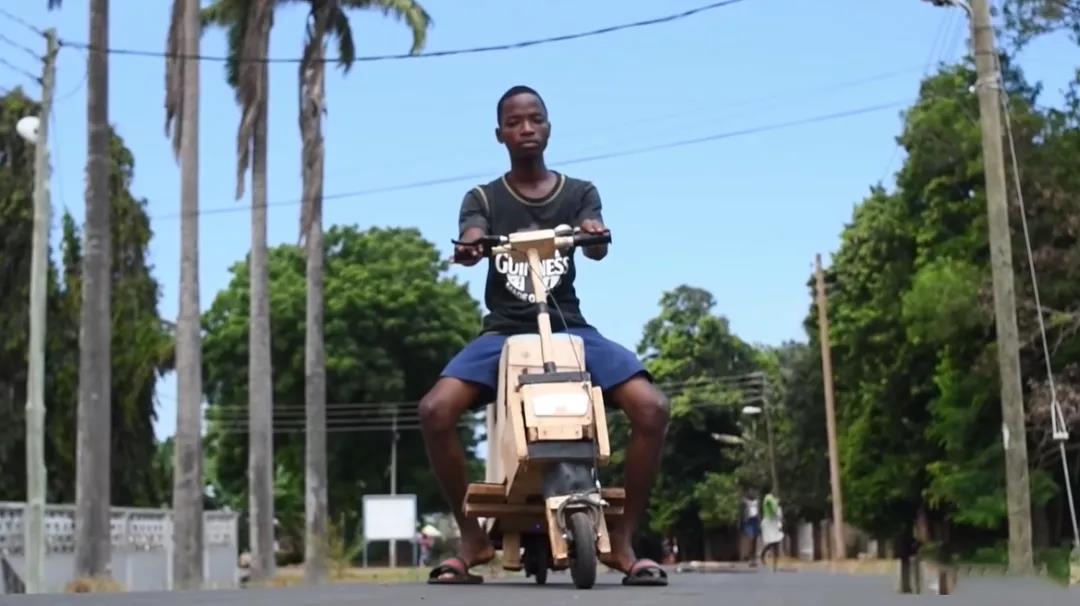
141,343
912,314
392,322
703,368
1026,20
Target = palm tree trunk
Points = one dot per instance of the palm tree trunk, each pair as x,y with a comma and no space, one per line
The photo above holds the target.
312,100
260,377
93,488
187,462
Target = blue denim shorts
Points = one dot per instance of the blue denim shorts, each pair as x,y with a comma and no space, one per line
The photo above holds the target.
608,363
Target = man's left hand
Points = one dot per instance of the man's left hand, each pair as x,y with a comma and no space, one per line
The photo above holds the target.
594,227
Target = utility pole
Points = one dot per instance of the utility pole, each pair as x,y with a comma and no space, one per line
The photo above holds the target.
34,526
393,477
838,551
766,403
1013,430
772,450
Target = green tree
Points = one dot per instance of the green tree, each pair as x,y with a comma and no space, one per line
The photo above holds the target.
1026,20
393,320
693,355
139,336
912,320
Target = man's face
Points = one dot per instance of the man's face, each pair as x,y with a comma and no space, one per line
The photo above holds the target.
524,128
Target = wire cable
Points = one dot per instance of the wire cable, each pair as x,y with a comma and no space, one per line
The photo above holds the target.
445,53
19,70
25,49
22,22
579,160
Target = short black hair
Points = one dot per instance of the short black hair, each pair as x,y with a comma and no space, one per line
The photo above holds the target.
516,90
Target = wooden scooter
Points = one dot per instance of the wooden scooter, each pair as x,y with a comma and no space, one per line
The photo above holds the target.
541,500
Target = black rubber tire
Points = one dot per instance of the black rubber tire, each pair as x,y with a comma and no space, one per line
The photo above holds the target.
583,554
541,558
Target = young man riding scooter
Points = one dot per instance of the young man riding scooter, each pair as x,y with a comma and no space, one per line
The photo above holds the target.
530,196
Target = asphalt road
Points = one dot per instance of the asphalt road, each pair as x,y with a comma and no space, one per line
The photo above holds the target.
689,589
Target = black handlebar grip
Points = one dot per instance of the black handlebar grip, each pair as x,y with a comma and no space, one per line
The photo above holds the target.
585,240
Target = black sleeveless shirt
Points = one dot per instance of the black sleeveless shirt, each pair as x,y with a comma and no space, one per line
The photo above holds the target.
499,209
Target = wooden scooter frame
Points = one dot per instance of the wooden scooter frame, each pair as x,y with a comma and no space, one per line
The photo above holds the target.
546,411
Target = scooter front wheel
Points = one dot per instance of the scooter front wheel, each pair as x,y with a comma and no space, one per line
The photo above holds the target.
583,559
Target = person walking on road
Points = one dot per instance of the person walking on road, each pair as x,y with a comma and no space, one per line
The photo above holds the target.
772,527
751,522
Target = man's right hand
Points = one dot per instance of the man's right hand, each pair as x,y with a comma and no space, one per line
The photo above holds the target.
469,255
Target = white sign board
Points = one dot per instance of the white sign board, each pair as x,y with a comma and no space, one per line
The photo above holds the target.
389,517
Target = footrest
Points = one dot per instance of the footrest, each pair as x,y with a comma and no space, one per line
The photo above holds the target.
488,500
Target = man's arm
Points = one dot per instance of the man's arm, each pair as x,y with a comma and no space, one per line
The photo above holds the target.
472,224
591,220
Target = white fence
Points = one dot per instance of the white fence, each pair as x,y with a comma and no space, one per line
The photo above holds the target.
142,547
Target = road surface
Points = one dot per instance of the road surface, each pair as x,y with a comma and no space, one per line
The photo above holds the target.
688,589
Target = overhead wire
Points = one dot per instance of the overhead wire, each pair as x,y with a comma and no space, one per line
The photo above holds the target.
21,47
735,380
296,422
446,53
937,50
19,70
22,22
572,161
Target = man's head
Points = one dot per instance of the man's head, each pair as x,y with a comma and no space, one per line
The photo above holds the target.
523,125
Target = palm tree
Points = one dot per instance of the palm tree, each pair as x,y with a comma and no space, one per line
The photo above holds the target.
325,17
182,112
248,23
93,488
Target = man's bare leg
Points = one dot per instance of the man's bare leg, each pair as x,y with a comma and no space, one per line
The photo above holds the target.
648,412
440,411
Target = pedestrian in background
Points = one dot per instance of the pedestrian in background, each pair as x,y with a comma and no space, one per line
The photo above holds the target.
772,527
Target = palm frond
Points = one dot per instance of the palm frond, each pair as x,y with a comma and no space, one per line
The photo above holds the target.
342,30
231,15
410,11
174,76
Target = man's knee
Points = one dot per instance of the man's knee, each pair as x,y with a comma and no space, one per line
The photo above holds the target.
442,407
436,413
646,407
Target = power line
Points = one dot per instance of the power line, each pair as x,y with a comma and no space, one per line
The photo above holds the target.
580,160
446,53
937,48
19,70
22,22
753,377
404,423
21,47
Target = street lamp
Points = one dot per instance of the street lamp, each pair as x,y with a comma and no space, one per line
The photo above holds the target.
27,127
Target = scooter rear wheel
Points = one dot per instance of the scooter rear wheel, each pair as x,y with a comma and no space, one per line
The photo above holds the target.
537,558
583,558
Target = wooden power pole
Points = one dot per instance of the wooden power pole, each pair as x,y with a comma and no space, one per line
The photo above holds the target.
34,525
1017,487
839,550
1014,435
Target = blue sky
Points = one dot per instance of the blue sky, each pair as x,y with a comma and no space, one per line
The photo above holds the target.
748,212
